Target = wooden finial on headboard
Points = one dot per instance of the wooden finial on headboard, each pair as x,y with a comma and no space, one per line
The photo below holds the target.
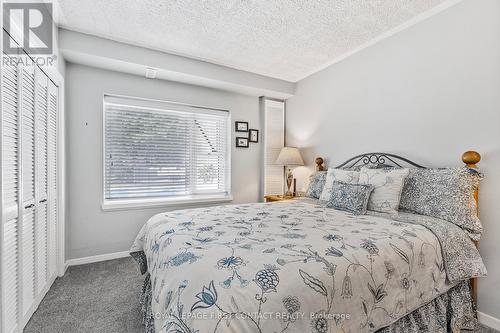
319,164
471,158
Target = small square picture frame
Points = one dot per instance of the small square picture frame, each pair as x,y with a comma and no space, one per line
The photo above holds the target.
253,135
241,126
242,142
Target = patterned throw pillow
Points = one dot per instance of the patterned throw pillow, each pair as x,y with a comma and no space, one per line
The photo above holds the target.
316,183
447,194
350,197
388,184
337,175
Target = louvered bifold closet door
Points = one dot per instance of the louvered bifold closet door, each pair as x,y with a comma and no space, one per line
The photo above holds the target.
41,196
52,103
28,189
27,94
10,199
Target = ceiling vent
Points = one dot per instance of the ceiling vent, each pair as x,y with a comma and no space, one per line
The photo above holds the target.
151,73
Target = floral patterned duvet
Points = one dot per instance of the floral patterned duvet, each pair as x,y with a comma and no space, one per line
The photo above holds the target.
296,266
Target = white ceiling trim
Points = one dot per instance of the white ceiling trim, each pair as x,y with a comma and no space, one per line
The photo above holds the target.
417,19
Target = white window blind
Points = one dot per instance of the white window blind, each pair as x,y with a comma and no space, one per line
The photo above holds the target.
158,150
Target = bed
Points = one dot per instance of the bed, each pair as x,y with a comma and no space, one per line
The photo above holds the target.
298,266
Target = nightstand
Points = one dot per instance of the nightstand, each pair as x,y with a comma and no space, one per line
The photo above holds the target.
277,197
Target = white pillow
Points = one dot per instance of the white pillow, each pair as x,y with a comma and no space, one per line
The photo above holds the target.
388,184
339,175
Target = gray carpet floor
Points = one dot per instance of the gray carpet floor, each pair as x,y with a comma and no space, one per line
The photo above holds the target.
102,297
97,298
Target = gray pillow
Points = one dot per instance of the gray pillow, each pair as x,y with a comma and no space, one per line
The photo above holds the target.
350,197
447,194
316,184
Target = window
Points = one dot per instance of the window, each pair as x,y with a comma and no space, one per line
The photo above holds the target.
158,152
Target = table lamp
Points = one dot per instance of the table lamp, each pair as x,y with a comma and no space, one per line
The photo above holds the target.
289,156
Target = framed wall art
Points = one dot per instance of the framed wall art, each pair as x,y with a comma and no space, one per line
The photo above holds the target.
253,135
241,126
241,142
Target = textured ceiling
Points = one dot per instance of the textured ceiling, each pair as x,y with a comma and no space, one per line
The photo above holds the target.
278,38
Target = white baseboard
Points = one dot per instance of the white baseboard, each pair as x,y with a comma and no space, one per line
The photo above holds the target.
101,257
488,320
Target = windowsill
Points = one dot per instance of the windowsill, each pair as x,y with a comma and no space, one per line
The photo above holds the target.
111,205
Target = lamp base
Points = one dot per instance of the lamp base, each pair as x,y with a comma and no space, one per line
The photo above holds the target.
289,180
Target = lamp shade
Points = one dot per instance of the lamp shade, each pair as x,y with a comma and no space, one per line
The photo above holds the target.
290,156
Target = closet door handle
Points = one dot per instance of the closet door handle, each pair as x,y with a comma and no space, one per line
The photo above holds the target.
29,206
42,201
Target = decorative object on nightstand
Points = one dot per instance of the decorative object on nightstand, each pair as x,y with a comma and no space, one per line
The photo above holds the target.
289,156
319,164
277,197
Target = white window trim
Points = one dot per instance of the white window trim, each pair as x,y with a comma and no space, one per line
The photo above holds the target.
190,200
110,205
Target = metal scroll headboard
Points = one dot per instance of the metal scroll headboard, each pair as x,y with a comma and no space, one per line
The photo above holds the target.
378,160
